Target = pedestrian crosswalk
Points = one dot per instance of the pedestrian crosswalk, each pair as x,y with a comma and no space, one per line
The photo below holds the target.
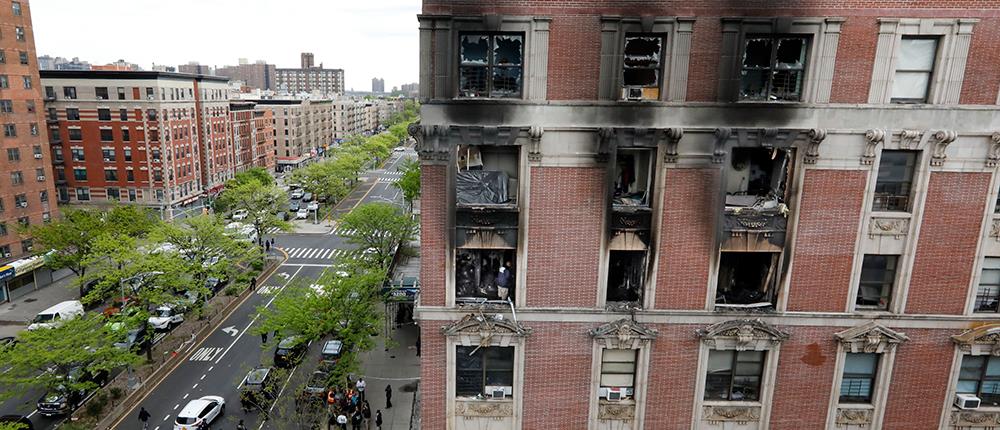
272,230
343,231
388,177
317,253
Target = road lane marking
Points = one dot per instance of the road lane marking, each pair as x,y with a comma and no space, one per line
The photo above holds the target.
205,354
308,265
202,378
268,304
210,368
186,396
194,386
283,386
177,406
32,413
166,418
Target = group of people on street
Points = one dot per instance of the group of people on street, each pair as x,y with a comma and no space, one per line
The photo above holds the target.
350,405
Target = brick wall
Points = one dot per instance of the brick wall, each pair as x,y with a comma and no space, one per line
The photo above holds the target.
806,365
433,376
946,249
685,243
981,81
920,376
433,237
564,236
827,230
852,73
574,57
673,366
557,365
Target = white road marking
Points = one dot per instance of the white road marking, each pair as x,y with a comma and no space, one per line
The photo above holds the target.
307,265
205,354
210,368
202,378
32,413
194,386
166,418
257,316
156,428
177,406
186,396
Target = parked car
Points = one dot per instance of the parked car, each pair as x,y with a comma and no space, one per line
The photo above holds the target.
136,339
63,399
294,206
240,214
290,351
296,194
302,214
166,317
200,412
307,197
55,315
313,206
215,285
11,420
331,352
259,389
399,149
316,386
283,215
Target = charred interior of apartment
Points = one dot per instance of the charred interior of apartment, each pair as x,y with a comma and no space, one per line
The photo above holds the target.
486,216
756,180
631,163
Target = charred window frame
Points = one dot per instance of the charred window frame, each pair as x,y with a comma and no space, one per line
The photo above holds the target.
878,277
748,279
491,64
893,186
626,276
618,370
980,376
486,175
642,66
773,67
734,375
858,382
988,292
478,275
633,181
478,367
758,177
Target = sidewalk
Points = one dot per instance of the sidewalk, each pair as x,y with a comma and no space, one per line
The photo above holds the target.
15,315
398,367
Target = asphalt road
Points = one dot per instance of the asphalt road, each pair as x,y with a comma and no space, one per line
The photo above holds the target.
217,365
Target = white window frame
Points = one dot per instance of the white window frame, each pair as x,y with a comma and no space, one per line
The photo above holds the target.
976,342
867,338
629,335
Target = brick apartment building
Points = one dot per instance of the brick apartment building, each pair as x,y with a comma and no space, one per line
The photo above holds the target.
253,136
26,189
709,215
153,138
303,129
309,79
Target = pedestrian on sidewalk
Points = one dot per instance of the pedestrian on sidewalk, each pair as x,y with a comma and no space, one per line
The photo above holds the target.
342,421
378,419
332,422
267,246
366,411
144,418
418,345
388,396
240,426
263,337
360,385
253,283
356,420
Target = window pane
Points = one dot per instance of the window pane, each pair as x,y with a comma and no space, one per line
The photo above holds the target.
717,386
619,355
472,81
641,77
720,361
506,81
967,386
916,54
791,54
642,51
498,358
757,52
786,85
508,50
972,367
855,390
910,85
745,388
615,380
860,363
753,84
475,49
990,277
993,367
618,367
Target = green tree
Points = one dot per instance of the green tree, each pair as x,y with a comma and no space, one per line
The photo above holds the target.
378,228
324,180
409,181
257,175
262,202
149,273
39,357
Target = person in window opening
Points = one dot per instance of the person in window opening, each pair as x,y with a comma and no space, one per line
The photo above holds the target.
503,281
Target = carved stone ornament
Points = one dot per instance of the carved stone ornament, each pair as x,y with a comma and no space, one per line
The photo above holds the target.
623,334
887,226
484,408
980,419
816,137
429,147
535,152
993,157
871,338
910,139
873,137
942,139
740,414
995,228
982,340
485,330
616,411
742,335
674,136
854,416
721,136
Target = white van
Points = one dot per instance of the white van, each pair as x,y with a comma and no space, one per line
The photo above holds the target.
55,315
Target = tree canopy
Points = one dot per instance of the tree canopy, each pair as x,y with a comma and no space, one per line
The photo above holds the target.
409,181
378,228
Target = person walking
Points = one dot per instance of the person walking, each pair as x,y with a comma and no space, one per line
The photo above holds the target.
388,396
263,337
240,426
378,419
360,385
144,417
342,421
253,283
366,412
356,420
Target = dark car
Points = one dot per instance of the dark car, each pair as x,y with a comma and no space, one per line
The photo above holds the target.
290,351
294,206
307,197
258,389
12,421
316,387
215,285
136,339
62,399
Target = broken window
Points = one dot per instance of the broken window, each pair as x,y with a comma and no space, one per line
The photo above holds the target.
642,67
773,68
490,65
484,274
988,294
484,371
633,177
878,274
487,175
747,279
757,177
626,273
895,177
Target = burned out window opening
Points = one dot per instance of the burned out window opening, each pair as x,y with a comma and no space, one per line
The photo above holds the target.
747,279
626,275
486,175
642,66
878,274
758,179
491,65
773,68
484,275
633,177
895,179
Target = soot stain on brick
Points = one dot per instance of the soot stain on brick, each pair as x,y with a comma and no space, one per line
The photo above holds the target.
814,355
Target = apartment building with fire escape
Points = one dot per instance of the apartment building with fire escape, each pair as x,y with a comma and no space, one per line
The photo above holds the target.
709,215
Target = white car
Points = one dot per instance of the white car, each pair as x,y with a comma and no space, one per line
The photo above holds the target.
399,149
165,317
240,215
296,194
302,214
313,206
198,411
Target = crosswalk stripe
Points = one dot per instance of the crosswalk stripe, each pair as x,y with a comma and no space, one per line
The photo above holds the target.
326,253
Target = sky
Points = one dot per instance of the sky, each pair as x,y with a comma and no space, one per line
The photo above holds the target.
373,38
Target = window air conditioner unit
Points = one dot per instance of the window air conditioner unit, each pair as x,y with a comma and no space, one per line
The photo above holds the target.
38,156
41,178
100,98
22,205
6,254
967,401
632,93
615,394
499,391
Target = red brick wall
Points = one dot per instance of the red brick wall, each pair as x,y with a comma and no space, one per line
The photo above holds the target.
981,80
673,366
433,376
946,249
574,57
827,229
920,378
433,237
703,69
805,377
557,373
855,59
564,230
689,216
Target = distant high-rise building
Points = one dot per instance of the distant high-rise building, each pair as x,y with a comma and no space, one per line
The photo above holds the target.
46,62
378,85
410,90
257,75
328,82
307,60
196,68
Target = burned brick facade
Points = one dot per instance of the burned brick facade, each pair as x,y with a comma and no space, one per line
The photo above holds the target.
709,215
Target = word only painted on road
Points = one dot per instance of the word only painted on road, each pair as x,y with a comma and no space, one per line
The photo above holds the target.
205,354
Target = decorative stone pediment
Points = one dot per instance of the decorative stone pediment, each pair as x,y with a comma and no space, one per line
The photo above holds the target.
742,335
623,334
854,417
974,419
617,411
872,338
726,413
484,409
982,340
485,330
